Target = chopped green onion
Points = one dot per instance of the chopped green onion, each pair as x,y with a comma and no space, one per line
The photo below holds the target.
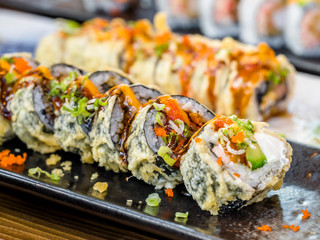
283,72
273,77
246,124
160,49
10,78
8,60
182,215
153,200
39,171
171,135
186,131
103,101
69,26
160,118
164,139
165,153
158,106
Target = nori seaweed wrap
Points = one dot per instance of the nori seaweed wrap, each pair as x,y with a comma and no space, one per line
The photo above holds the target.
158,133
232,162
110,124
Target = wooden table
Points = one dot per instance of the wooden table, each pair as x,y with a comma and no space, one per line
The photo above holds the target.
24,216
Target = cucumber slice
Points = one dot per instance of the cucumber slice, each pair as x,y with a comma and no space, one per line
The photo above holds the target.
256,157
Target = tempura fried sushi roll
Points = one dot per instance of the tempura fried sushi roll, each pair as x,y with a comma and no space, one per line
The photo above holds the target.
19,93
158,133
76,102
33,112
109,126
260,84
262,21
302,32
232,162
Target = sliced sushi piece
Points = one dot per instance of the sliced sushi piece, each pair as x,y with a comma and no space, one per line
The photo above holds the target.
110,124
219,18
182,14
33,112
260,84
78,104
262,21
302,31
12,67
158,133
233,162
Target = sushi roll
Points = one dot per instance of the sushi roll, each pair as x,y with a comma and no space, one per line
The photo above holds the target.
110,124
262,21
158,133
260,84
219,18
182,14
76,97
302,31
233,162
33,112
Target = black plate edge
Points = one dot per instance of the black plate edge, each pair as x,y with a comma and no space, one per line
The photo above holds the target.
100,208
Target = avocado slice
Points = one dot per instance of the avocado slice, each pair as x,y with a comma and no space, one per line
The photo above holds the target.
256,157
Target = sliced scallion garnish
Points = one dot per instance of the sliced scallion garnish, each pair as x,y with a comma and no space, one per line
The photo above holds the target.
153,200
158,106
182,215
160,118
165,152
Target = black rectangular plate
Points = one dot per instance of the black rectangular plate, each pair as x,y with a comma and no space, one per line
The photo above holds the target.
300,191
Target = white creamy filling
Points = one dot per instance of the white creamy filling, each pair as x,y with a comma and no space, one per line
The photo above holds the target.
273,148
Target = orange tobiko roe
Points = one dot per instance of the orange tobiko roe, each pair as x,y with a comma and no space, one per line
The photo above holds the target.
264,228
7,158
173,109
219,121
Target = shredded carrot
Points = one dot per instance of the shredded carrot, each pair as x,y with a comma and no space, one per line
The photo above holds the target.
237,174
219,161
7,158
238,138
265,228
306,214
198,140
296,229
169,192
160,131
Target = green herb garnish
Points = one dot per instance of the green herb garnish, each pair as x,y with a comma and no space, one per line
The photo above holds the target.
160,118
153,200
80,110
38,171
245,124
158,106
273,77
58,88
10,78
165,152
70,27
8,60
160,49
181,215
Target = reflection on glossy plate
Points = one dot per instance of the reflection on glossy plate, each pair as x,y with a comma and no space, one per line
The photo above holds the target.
300,191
